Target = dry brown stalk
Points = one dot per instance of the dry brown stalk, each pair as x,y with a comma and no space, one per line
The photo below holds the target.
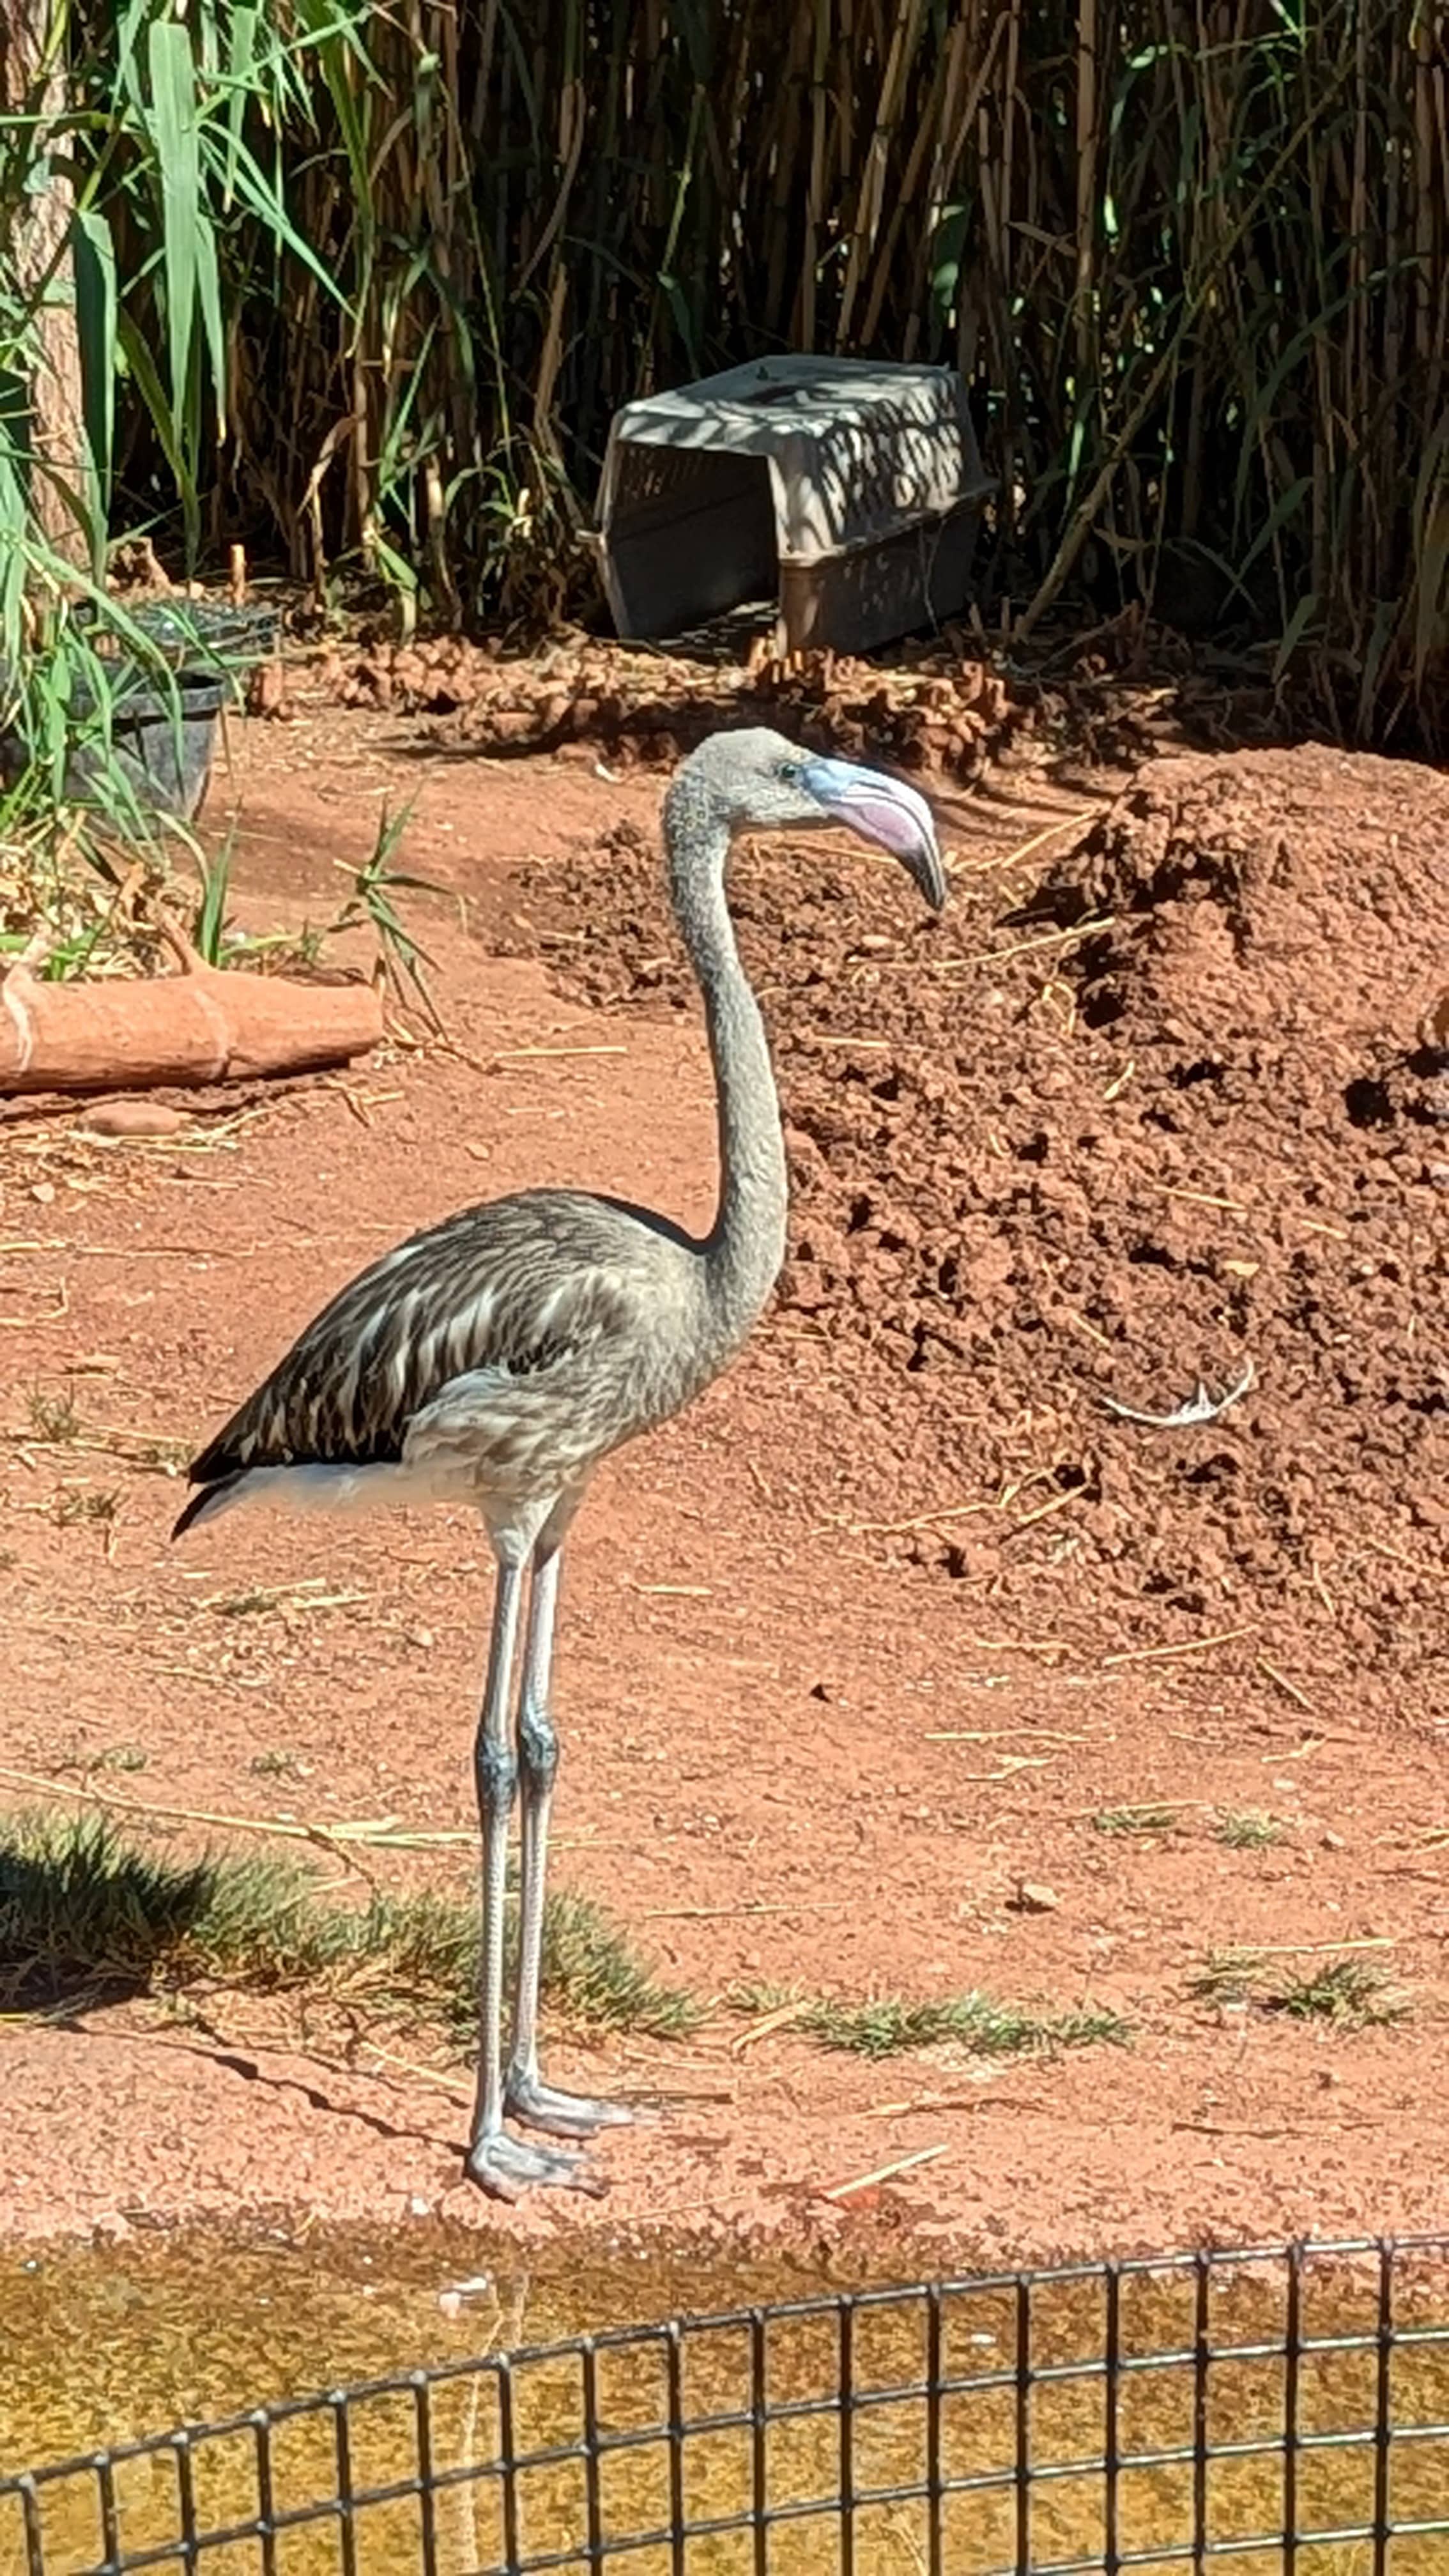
1193,1646
1284,1684
884,2173
381,1832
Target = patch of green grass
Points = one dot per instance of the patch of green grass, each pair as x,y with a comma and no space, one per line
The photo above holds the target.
123,1757
1135,1820
274,1764
84,1910
887,2025
161,1456
589,1966
53,1417
1227,1977
1354,1993
372,903
1250,1831
75,1505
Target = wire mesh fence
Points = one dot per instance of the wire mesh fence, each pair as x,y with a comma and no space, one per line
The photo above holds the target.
1284,2408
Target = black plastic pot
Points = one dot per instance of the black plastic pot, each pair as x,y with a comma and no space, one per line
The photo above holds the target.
205,642
164,745
167,757
200,631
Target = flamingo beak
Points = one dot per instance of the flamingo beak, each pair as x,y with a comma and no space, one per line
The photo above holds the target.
887,811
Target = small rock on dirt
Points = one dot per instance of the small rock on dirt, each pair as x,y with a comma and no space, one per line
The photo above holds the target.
1030,1896
1434,1026
134,1118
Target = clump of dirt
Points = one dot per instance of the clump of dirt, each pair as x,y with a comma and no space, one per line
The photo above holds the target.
941,706
1307,922
1173,1120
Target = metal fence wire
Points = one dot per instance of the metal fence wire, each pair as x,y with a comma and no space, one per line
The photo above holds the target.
1284,2408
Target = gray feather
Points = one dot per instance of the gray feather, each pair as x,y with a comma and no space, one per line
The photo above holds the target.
550,1322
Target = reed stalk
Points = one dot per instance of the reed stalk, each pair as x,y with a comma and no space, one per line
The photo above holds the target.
382,276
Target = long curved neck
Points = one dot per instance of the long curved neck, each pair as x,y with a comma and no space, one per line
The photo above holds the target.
746,1244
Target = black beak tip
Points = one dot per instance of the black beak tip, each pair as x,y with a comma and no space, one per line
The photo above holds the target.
930,876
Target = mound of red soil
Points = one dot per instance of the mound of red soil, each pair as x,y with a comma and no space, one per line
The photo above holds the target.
1174,1119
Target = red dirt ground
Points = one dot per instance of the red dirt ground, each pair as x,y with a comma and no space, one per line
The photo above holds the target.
876,1632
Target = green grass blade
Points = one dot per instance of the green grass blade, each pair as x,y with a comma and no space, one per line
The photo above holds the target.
173,124
266,204
208,287
240,84
96,303
143,368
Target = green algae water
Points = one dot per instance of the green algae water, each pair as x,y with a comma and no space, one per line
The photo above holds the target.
1243,2399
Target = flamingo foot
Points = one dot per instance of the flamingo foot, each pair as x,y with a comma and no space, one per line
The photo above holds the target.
561,2115
503,2167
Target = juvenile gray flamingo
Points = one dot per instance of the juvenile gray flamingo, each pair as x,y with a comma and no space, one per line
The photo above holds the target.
497,1357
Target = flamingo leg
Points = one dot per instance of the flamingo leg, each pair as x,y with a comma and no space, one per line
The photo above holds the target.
499,2164
539,2105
